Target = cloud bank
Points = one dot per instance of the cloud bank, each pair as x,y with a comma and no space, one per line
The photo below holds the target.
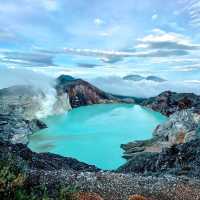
27,59
157,44
144,88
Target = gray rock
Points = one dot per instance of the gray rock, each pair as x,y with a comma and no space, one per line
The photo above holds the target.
17,129
135,150
179,128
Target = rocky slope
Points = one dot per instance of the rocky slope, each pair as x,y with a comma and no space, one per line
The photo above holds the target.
179,160
18,108
169,102
53,171
83,93
181,127
115,186
16,129
24,158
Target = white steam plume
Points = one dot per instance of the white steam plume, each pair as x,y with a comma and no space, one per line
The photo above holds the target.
16,76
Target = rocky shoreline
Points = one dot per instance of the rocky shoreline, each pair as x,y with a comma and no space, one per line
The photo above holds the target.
182,125
165,167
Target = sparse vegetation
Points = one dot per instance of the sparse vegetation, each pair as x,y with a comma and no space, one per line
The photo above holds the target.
13,187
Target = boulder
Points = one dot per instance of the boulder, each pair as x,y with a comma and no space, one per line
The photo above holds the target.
180,127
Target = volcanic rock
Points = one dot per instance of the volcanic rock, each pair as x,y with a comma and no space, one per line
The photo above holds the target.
82,93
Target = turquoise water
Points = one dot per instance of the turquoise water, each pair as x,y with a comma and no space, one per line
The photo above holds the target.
93,134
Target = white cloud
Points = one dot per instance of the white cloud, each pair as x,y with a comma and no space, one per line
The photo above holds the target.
162,36
160,39
144,88
154,17
98,52
98,22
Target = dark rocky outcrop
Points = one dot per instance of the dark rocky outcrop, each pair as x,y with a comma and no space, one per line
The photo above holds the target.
169,102
27,160
182,159
82,93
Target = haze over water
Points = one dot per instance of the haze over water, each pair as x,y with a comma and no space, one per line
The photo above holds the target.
93,134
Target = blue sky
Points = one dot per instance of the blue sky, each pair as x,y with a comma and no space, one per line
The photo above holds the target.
92,37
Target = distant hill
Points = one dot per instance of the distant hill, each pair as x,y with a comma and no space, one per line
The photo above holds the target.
135,77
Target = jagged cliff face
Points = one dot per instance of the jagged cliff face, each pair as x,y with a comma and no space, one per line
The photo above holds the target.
83,93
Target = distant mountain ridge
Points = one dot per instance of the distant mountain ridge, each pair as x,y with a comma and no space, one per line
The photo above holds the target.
136,77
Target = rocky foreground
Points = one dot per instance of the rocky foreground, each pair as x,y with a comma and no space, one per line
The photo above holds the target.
167,167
